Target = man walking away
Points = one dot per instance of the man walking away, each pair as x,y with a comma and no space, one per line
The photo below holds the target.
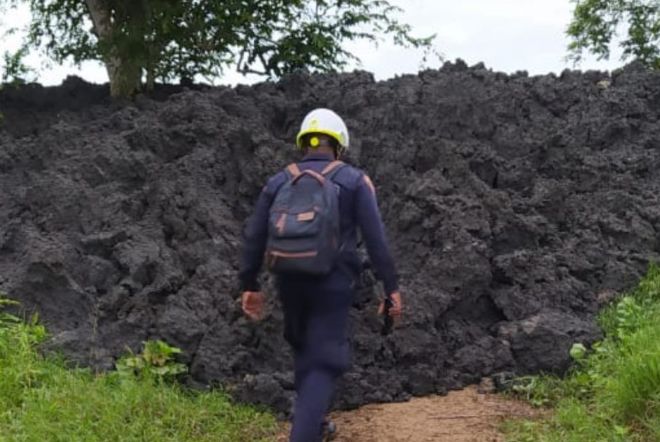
305,227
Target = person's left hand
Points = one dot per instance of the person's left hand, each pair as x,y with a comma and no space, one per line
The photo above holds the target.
253,305
396,310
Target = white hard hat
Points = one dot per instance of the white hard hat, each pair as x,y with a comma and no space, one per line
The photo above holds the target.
324,121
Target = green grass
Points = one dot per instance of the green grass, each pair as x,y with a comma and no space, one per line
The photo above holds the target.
613,393
41,399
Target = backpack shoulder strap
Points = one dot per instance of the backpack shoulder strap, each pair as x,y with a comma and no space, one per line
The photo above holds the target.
332,168
293,170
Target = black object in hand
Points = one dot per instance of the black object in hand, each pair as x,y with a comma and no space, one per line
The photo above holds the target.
388,321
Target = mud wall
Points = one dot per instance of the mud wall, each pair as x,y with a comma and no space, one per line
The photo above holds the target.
515,207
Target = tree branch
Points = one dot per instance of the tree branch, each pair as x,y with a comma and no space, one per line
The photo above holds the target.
100,13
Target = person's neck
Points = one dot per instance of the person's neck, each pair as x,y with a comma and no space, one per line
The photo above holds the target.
326,151
322,153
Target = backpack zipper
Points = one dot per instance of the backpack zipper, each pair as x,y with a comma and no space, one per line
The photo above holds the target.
294,255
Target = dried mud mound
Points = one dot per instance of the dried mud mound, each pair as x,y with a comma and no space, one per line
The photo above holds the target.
515,207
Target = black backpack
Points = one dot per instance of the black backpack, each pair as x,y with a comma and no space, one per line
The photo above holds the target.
303,230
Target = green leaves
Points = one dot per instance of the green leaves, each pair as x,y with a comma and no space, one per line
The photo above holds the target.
7,319
578,351
596,22
156,360
15,70
170,40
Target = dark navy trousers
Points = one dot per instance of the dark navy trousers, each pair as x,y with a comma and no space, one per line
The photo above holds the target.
316,326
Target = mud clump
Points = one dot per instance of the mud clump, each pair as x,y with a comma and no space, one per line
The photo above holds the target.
512,203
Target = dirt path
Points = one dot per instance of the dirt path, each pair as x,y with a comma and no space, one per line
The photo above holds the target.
460,416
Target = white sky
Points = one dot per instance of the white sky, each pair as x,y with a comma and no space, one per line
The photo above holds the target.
507,35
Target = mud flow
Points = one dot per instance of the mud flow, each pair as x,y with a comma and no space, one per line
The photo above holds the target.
515,207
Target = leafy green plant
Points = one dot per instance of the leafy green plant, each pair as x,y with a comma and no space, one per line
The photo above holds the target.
629,316
578,351
32,332
648,290
538,391
7,319
613,391
157,360
635,380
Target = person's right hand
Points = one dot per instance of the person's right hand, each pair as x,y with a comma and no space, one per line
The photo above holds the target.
253,305
397,307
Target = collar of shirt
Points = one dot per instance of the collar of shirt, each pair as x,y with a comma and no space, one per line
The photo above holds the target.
318,157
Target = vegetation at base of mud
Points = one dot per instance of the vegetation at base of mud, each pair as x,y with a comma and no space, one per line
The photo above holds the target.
41,399
613,392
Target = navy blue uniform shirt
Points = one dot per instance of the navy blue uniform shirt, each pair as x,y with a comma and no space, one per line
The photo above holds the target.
358,208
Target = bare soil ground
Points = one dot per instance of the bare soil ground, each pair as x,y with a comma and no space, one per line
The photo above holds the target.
460,416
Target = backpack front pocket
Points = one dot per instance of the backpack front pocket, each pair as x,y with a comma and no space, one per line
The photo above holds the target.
294,225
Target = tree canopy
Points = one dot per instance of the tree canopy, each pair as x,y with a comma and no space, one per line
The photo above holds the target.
596,23
166,40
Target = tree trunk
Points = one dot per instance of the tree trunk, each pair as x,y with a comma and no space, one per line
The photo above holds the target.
125,74
125,77
151,79
150,49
